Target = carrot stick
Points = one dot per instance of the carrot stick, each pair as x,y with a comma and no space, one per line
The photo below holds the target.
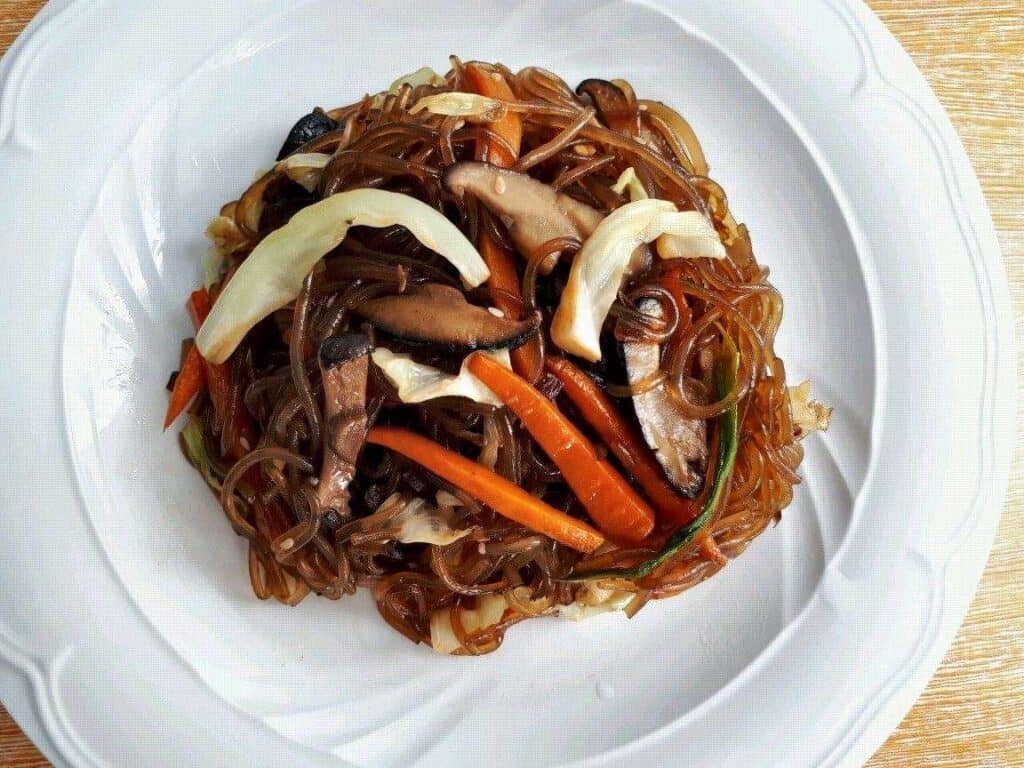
617,509
198,306
490,83
186,386
504,280
490,488
218,382
623,441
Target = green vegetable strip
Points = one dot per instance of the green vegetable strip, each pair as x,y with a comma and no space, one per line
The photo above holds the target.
195,449
726,369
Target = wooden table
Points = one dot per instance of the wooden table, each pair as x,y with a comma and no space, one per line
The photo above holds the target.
972,714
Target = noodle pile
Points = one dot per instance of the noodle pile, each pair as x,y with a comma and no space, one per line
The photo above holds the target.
268,489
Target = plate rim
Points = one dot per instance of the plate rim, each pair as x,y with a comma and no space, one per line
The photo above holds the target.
905,81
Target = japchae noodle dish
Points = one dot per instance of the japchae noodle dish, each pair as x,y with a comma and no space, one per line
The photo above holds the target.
493,348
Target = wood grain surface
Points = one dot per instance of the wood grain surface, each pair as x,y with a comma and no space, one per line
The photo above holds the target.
972,714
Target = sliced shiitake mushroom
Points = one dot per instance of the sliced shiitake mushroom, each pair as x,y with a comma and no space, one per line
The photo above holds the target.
439,315
344,366
679,443
613,105
532,211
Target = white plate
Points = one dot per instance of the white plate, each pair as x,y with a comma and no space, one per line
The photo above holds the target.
128,634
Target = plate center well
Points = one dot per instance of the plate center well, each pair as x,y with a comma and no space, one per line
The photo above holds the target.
333,675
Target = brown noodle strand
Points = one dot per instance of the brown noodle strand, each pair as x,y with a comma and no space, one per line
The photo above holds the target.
555,145
570,176
297,357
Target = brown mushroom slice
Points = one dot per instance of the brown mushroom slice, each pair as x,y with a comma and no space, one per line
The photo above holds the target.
612,104
439,315
344,366
532,211
680,444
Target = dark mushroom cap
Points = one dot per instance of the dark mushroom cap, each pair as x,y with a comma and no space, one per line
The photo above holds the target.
613,106
343,347
308,127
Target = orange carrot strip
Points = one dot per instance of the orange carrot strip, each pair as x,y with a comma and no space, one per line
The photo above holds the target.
218,382
198,306
186,386
507,296
623,441
490,488
218,377
490,83
504,280
617,509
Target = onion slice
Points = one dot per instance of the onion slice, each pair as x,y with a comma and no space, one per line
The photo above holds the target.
629,182
594,600
603,263
808,415
417,382
304,169
471,106
272,275
412,520
490,610
687,235
422,76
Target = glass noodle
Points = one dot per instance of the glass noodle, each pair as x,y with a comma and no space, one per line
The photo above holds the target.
296,547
